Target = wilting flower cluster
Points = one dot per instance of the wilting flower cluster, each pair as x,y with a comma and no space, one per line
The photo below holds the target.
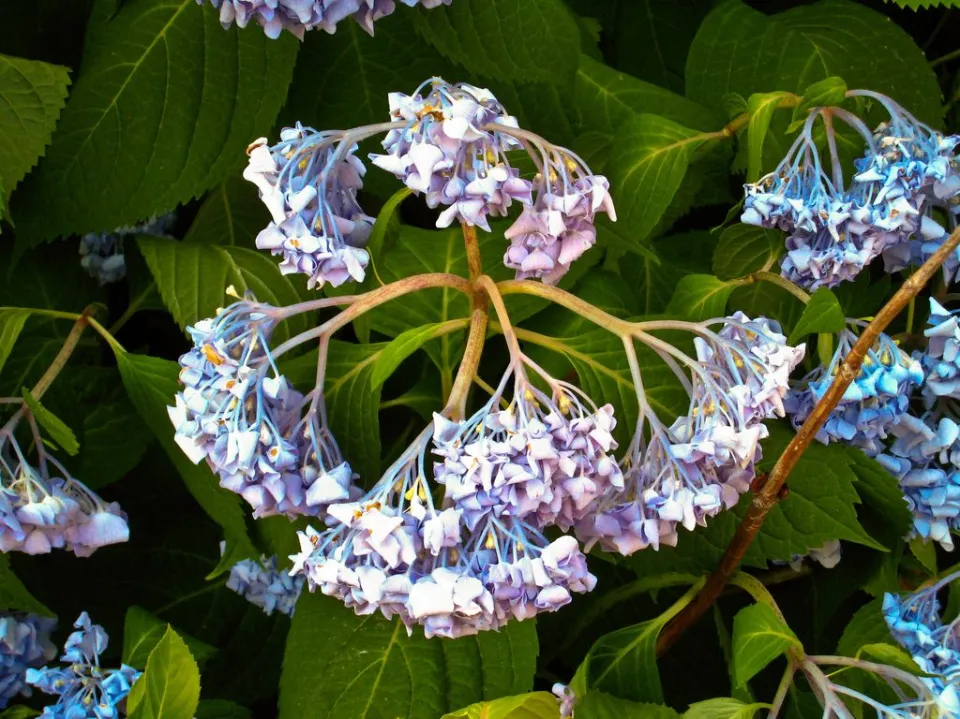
84,689
24,643
835,230
299,16
101,253
468,552
451,145
871,405
240,414
915,622
42,507
265,586
702,463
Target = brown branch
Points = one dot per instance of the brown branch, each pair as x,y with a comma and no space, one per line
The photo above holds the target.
69,345
457,403
766,498
474,264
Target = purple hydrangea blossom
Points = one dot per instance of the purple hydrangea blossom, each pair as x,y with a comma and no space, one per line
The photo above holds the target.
299,16
309,182
84,689
941,361
24,643
240,415
263,585
871,405
101,253
916,623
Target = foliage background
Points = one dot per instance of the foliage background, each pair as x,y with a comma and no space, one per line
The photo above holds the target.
114,110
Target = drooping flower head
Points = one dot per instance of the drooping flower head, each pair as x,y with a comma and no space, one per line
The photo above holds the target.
309,182
101,253
84,689
240,414
916,623
871,404
42,507
24,643
702,463
299,16
263,585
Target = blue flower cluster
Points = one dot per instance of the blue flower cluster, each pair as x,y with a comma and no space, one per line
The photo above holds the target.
834,230
42,507
240,414
871,405
475,557
298,16
942,358
916,623
265,586
101,253
449,144
700,465
83,689
24,643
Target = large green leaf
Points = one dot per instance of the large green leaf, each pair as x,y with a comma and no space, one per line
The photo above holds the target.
11,324
608,98
162,110
14,597
761,107
369,667
600,705
759,637
143,631
723,708
192,277
743,249
652,157
866,627
883,496
536,705
151,383
232,215
31,96
741,50
822,314
170,685
924,4
700,297
519,40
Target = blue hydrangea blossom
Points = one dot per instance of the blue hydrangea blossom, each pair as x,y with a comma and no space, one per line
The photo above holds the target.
265,586
84,689
24,643
101,253
941,361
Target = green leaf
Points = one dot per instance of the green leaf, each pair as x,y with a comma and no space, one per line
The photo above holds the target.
743,249
518,40
761,107
742,50
164,105
653,282
608,98
56,429
926,4
600,705
192,277
31,96
652,157
893,656
14,597
152,383
231,215
170,684
142,631
406,344
536,705
821,315
700,297
19,711
221,709
926,553
829,92
882,494
865,627
723,708
11,324
370,667
759,637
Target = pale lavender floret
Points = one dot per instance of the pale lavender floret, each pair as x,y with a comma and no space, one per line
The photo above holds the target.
567,699
263,585
24,643
942,358
827,556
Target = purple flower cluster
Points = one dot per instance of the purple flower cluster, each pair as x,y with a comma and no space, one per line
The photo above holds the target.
480,558
916,623
871,405
704,461
451,145
309,182
265,586
941,361
43,508
241,415
299,16
101,253
834,231
84,690
24,643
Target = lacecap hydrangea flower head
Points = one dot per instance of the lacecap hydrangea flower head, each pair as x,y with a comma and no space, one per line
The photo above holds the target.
24,643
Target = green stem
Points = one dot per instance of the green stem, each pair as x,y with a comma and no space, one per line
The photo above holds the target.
953,55
781,282
132,308
63,356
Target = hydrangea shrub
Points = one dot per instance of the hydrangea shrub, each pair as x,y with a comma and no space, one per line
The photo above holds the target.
461,359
